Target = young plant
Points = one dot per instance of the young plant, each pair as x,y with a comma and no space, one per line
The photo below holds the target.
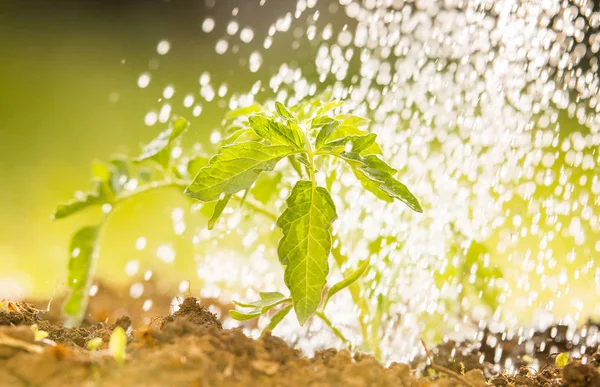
309,137
304,136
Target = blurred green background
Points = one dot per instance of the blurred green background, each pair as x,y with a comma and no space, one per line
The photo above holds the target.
68,72
69,94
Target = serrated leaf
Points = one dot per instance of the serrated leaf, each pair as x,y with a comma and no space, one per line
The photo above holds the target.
350,126
240,136
352,278
235,168
219,207
100,194
380,174
159,149
356,144
327,106
306,244
277,318
245,111
194,165
352,120
283,111
296,165
81,266
276,132
243,316
265,187
328,126
266,299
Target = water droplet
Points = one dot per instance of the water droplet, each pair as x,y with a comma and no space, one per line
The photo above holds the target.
136,290
163,47
246,35
143,80
208,25
221,46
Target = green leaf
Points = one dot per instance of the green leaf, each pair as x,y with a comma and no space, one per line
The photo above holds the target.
265,187
235,168
240,136
328,126
194,165
100,170
380,174
306,244
245,111
283,111
352,278
268,300
81,266
277,318
159,149
276,132
350,127
100,194
219,207
327,106
357,144
241,316
352,120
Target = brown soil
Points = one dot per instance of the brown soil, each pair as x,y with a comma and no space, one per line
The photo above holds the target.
190,348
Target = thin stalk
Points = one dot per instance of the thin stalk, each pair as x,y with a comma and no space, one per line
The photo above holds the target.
336,331
119,199
371,341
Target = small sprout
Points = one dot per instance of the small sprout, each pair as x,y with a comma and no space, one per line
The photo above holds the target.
38,334
117,345
561,360
94,343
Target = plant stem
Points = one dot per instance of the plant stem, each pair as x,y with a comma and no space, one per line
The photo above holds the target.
370,340
336,331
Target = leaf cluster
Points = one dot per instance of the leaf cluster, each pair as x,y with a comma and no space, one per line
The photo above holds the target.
261,139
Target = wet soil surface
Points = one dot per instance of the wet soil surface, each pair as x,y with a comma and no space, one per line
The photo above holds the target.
190,348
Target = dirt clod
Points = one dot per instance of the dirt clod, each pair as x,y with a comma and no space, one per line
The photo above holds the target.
577,374
191,310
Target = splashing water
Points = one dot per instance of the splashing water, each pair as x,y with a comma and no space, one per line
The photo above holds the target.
491,111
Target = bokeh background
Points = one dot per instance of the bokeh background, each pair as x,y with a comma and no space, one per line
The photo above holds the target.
69,94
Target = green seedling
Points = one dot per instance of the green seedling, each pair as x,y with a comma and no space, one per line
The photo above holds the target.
94,343
117,345
299,141
38,334
561,360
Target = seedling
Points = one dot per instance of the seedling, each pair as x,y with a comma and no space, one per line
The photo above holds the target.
94,343
38,334
117,344
561,360
300,140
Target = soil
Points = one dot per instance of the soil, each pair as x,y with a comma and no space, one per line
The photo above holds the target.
191,348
